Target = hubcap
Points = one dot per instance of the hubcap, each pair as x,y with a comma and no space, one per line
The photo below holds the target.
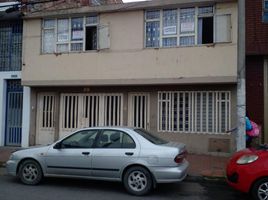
263,191
30,172
137,181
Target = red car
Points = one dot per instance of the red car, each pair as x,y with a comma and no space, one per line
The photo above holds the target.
247,171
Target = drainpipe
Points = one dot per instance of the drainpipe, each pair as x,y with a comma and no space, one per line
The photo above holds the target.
241,82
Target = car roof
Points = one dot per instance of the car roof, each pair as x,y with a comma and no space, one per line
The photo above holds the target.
110,127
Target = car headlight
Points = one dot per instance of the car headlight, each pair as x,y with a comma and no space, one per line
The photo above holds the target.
246,159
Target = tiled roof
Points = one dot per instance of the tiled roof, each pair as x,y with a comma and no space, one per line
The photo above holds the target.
66,4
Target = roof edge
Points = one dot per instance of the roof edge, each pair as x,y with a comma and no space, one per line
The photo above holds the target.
122,7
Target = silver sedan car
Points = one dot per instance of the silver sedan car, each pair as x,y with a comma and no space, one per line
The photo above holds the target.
133,156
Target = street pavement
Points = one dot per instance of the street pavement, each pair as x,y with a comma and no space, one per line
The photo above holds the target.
74,189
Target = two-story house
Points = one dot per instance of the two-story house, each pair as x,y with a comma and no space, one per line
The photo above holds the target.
11,90
166,66
257,63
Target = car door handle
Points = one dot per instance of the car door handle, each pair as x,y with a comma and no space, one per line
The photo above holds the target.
86,153
129,153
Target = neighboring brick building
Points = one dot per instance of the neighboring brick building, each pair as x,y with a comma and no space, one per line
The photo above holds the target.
256,62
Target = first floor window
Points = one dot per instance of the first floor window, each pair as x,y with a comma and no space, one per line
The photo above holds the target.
194,112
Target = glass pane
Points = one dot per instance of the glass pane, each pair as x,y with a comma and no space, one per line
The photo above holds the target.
187,41
169,42
265,16
48,41
187,20
170,22
265,4
62,48
110,139
153,138
63,30
49,23
77,29
128,142
152,14
205,10
92,20
77,47
82,139
152,34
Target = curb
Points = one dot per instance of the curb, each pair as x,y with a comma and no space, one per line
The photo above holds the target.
200,178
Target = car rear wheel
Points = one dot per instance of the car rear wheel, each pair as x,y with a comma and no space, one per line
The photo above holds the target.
30,172
138,181
260,189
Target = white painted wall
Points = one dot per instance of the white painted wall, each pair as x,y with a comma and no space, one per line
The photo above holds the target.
26,110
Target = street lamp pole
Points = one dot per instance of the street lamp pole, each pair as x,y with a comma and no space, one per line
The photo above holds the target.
241,81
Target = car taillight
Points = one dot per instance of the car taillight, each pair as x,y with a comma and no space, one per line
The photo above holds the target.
180,157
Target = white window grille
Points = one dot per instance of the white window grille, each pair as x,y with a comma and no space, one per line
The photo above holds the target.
138,113
113,110
48,111
69,111
194,111
184,27
87,110
91,110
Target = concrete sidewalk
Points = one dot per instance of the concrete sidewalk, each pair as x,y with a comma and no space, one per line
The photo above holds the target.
200,165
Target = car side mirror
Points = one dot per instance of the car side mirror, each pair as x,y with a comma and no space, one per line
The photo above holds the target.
57,145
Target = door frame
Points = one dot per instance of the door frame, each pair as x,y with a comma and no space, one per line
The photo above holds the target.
20,90
38,115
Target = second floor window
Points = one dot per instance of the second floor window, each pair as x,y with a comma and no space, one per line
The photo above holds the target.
70,34
265,11
186,27
10,45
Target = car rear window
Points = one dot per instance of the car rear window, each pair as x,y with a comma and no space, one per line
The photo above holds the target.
150,137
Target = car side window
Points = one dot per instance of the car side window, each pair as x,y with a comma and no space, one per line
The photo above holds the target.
115,139
81,139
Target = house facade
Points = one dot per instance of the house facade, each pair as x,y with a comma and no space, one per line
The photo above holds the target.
12,98
257,63
167,66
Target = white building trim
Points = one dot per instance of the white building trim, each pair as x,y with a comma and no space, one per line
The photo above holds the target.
26,111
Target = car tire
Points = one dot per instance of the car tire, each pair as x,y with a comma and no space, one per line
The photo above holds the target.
138,181
259,190
30,172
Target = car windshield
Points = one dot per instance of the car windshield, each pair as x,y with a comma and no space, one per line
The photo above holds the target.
149,136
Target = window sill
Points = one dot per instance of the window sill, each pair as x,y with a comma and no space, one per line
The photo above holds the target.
71,52
195,45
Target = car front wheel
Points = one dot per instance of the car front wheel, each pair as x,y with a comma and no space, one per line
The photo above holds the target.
30,172
260,189
138,181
